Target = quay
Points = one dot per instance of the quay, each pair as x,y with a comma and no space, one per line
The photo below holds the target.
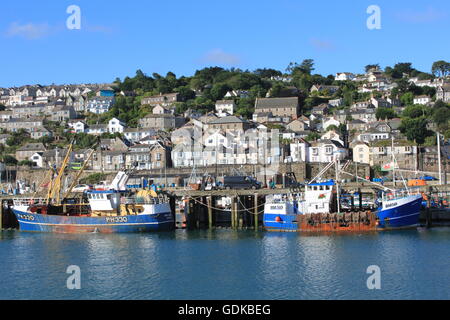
199,209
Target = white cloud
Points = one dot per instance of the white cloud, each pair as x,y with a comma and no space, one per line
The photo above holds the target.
29,31
98,28
221,57
428,15
322,44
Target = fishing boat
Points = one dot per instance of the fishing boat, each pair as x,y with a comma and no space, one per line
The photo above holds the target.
315,211
111,210
318,209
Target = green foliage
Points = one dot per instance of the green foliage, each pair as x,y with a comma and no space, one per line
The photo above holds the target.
407,98
46,140
93,178
26,163
415,129
84,140
18,138
267,73
416,111
372,67
441,68
9,160
245,107
385,114
306,67
313,136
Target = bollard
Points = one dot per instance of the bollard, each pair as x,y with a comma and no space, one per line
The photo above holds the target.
210,212
256,214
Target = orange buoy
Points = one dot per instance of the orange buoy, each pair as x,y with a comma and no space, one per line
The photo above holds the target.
278,219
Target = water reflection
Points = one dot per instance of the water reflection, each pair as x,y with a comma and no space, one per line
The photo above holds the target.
225,264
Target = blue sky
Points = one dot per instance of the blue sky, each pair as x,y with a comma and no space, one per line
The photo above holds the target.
119,37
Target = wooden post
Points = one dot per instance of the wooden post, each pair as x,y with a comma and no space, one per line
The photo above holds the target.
428,212
256,217
173,209
239,214
1,215
210,212
233,212
360,200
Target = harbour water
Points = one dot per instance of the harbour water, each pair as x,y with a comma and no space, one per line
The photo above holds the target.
225,264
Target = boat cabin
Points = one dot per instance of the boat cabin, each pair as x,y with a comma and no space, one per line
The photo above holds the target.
104,200
319,198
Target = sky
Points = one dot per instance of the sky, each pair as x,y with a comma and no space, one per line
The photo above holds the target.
116,38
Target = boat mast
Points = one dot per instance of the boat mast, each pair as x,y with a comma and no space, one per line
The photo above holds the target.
338,194
75,181
56,188
439,157
393,161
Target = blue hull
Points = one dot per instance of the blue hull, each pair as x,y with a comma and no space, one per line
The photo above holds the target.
405,216
400,217
288,223
121,224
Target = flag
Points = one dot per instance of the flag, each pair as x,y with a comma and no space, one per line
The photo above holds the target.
388,167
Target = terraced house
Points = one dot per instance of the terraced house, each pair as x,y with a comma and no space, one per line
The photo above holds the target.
282,107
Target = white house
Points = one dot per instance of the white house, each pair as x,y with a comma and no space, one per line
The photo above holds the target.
38,159
77,126
327,122
326,151
115,125
332,135
299,150
237,94
361,152
344,76
373,135
137,134
99,105
424,100
225,108
97,129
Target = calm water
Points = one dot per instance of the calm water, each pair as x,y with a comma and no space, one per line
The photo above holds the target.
225,264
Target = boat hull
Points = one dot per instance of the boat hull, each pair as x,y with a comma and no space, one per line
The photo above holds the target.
32,222
404,213
399,214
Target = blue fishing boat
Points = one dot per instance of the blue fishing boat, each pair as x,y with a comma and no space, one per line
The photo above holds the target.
399,210
107,212
315,211
111,210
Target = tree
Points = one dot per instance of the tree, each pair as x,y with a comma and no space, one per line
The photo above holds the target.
415,129
416,111
306,67
267,73
9,160
403,67
441,68
185,93
93,178
313,136
441,116
407,98
26,163
385,114
372,67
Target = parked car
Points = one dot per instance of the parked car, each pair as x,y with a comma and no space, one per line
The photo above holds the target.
81,188
240,182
